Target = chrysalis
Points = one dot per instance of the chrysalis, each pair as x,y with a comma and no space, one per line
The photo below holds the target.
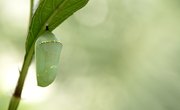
47,53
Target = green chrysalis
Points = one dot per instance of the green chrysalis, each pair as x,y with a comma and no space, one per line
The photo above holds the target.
47,53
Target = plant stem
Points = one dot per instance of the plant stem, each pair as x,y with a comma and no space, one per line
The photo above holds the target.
16,97
31,11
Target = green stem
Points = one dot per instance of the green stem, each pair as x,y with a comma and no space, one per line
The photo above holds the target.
31,11
16,97
18,90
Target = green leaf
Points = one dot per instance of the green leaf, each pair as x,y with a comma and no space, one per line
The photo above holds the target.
51,13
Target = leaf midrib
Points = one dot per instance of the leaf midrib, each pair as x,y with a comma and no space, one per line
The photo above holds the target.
49,19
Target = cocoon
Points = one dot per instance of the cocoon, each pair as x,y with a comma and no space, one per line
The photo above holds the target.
47,55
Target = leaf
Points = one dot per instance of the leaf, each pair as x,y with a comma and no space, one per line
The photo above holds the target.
51,13
47,54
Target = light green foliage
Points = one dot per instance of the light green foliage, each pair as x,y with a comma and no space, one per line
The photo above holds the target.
53,13
47,53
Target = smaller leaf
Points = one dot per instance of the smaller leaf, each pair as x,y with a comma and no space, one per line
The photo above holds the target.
47,53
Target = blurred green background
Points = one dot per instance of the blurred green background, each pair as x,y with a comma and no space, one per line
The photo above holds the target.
117,55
